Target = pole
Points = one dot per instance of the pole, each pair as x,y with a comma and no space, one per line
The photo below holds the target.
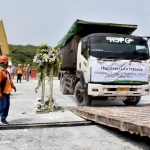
51,90
43,89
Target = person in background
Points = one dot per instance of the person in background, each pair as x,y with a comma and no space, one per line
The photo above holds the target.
6,86
10,69
24,72
19,72
28,72
13,71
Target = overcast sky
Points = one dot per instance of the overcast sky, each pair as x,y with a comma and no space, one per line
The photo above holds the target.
47,21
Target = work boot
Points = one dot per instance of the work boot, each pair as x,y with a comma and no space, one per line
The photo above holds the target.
5,122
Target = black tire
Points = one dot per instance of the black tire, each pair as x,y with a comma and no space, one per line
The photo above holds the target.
82,98
131,102
63,86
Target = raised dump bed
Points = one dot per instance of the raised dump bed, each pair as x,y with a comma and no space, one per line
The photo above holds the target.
132,119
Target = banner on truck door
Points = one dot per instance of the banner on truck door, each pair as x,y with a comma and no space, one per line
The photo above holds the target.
109,71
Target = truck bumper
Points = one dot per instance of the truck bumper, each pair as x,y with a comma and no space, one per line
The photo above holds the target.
112,90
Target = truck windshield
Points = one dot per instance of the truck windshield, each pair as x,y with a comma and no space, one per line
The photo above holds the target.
119,47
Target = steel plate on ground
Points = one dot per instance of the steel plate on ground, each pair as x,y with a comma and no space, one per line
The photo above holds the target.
132,119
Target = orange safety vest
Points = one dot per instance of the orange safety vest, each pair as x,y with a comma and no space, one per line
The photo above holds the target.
24,71
6,83
19,70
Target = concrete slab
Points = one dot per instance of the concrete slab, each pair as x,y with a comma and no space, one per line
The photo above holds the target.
22,110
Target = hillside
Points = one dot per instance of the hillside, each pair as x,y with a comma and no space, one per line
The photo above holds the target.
22,54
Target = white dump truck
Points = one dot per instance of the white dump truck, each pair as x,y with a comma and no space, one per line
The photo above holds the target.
104,61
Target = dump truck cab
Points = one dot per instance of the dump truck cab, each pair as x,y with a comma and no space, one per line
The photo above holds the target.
114,66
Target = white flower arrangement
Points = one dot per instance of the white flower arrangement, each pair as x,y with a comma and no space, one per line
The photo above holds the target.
46,58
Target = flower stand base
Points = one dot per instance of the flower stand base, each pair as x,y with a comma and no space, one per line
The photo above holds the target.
46,108
42,108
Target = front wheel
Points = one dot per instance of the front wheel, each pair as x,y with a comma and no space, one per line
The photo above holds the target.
81,96
132,100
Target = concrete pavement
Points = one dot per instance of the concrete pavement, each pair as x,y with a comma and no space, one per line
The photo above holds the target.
22,110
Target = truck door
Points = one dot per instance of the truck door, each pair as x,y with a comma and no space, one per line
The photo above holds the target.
82,62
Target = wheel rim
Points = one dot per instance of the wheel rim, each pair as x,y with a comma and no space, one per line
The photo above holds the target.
79,95
132,99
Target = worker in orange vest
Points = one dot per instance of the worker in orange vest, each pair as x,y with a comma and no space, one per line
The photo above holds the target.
19,72
6,86
24,72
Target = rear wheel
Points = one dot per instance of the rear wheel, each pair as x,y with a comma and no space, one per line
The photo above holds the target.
63,86
133,100
81,96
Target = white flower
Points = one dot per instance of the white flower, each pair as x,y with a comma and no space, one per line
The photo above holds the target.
39,56
34,60
44,50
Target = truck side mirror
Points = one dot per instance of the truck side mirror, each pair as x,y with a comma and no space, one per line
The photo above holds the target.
84,45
